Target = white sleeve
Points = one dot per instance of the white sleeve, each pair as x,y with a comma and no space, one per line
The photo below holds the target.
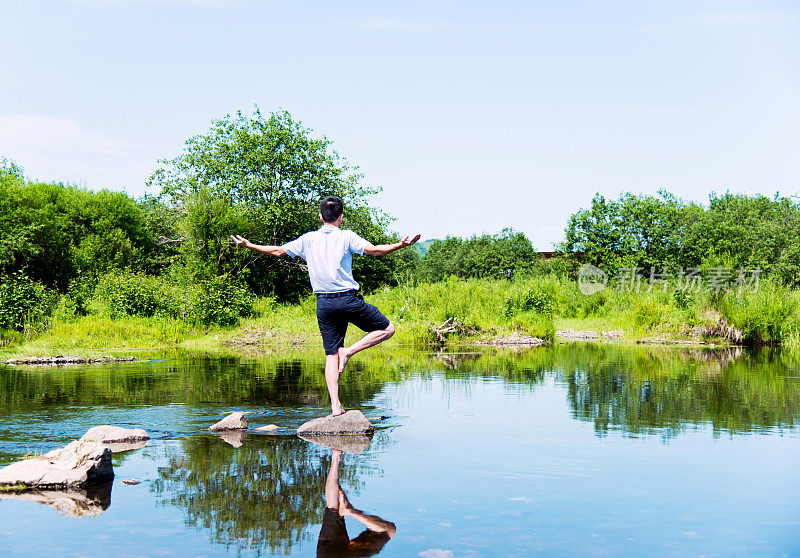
295,248
357,244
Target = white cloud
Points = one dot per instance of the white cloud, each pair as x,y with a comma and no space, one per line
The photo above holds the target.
143,2
57,136
375,24
56,148
436,553
724,20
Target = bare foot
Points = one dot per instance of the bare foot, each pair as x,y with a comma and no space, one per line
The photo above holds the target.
344,504
337,410
343,358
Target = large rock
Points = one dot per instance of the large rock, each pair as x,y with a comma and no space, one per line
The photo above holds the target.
77,464
109,434
234,421
116,438
73,502
351,422
350,443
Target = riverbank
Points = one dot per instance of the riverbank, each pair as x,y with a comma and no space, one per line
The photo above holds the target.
527,311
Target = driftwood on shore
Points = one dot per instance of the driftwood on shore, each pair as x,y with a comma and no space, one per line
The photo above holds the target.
61,360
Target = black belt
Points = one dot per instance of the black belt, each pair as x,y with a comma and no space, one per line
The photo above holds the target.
337,295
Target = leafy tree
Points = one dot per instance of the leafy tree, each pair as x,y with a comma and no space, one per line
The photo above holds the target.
55,232
263,176
751,232
634,231
503,255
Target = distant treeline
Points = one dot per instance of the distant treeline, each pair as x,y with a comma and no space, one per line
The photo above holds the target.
734,231
262,176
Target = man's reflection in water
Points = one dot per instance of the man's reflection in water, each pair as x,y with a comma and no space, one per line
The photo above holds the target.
333,539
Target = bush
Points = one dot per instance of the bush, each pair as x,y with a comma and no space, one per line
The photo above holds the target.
766,317
535,324
221,302
23,301
133,294
534,299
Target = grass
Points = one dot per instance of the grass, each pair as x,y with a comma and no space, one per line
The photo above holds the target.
484,308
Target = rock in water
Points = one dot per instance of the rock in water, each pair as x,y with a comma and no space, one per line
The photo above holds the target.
116,438
351,422
350,443
77,464
234,421
109,434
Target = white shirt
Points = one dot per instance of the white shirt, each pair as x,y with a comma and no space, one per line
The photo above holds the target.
328,252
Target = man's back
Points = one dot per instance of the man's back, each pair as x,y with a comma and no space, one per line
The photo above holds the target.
328,252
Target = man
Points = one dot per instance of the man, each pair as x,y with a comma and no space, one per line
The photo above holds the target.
328,252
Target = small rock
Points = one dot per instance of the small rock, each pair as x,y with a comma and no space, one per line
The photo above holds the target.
351,422
268,427
234,421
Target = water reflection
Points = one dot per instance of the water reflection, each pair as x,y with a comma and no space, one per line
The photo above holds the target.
263,495
333,538
73,502
636,390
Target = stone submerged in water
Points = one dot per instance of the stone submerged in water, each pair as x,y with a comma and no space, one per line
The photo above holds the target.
351,422
77,464
234,421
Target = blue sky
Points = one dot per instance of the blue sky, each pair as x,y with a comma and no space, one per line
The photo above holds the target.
472,116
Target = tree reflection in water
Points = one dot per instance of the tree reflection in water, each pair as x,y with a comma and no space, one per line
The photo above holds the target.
261,496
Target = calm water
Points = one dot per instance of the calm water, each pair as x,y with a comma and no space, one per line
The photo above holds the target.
570,450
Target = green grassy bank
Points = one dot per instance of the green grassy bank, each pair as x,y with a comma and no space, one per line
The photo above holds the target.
477,310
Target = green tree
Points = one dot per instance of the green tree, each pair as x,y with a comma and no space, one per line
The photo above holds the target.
634,231
55,232
263,176
500,256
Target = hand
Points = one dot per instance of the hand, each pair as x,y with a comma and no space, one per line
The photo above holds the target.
240,241
408,241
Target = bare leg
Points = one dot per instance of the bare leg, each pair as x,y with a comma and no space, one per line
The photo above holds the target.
332,482
369,340
332,381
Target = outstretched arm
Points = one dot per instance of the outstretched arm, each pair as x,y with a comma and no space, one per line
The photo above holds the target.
271,250
383,249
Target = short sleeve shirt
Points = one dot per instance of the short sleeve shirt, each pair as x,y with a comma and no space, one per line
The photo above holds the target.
328,252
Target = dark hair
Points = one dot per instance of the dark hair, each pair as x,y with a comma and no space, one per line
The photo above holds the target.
330,208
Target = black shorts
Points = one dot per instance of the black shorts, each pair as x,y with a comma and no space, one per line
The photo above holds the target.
334,313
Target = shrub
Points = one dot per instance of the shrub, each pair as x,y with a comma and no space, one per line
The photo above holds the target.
23,301
535,324
222,302
134,294
766,317
534,299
